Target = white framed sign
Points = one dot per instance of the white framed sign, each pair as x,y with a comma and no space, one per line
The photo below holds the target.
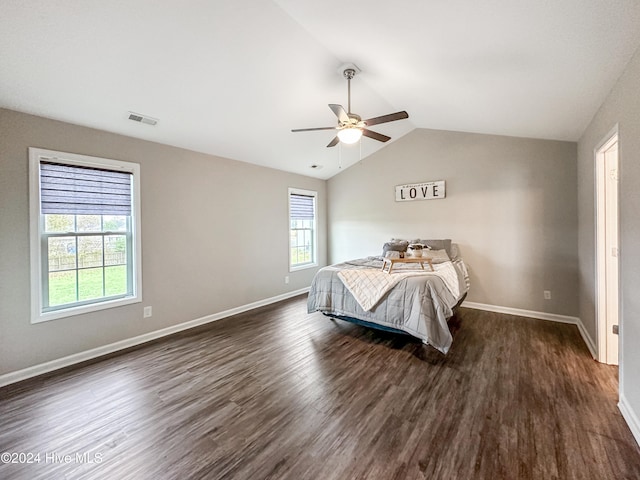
420,191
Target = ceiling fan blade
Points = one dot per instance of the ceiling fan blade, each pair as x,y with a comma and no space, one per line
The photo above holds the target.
312,129
387,118
333,142
375,135
340,112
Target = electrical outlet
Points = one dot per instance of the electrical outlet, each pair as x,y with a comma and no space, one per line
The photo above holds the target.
147,312
547,294
286,279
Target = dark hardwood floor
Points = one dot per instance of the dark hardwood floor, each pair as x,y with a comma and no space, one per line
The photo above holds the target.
279,394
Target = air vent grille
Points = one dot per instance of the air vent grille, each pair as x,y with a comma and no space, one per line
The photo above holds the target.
137,117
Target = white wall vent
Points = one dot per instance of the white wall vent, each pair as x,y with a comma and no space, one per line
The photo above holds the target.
137,117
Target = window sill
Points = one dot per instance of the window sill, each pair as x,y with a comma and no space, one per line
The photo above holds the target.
302,267
39,317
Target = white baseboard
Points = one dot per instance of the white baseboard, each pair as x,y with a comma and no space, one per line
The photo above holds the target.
591,345
19,375
630,417
553,317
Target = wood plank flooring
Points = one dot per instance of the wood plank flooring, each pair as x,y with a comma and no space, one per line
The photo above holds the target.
276,393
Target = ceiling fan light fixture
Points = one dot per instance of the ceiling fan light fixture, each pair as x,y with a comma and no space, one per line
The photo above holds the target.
350,135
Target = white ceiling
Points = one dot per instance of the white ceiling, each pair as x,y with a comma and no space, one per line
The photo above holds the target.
232,78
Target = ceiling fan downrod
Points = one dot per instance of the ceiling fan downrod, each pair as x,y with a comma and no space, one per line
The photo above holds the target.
349,73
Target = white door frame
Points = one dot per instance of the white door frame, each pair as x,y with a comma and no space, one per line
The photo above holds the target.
603,333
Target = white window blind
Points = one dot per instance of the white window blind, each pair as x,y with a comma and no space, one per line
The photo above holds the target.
302,207
69,189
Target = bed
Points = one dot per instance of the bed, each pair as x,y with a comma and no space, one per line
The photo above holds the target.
410,300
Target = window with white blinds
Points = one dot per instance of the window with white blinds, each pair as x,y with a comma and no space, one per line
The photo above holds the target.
302,229
70,189
85,235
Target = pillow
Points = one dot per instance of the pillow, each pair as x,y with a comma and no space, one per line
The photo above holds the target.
437,256
395,246
455,252
436,244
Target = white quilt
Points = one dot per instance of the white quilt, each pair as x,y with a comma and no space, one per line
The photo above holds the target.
368,286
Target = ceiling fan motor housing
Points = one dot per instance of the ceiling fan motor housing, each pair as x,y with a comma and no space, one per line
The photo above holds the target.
354,121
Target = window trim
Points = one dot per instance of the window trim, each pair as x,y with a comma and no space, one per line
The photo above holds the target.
36,230
314,262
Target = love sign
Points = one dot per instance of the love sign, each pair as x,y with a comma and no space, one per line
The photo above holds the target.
420,191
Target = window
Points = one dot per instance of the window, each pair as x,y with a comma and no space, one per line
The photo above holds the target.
302,229
85,234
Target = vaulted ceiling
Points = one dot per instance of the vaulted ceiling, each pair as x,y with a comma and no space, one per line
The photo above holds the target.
232,78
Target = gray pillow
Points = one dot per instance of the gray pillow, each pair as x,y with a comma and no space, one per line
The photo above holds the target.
395,246
437,256
436,244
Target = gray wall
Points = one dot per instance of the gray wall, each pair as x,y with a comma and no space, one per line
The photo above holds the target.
510,204
197,212
621,107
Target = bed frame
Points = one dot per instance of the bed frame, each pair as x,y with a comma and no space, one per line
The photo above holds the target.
384,328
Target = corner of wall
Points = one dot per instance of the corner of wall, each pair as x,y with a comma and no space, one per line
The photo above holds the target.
591,345
552,317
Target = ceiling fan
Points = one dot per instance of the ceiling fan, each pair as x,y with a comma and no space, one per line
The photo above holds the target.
350,126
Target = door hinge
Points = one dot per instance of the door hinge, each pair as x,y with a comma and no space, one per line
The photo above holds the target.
615,329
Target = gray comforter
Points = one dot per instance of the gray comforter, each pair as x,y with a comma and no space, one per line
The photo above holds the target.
418,305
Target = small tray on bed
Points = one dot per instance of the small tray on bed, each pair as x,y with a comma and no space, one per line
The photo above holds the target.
391,261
